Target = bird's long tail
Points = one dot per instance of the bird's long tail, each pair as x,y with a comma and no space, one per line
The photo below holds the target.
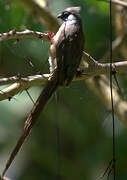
47,92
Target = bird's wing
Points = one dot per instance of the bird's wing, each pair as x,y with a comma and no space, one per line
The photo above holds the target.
69,52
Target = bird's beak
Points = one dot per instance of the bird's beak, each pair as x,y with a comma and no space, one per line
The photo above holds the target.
59,15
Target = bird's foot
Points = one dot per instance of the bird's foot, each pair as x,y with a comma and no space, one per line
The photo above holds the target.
51,35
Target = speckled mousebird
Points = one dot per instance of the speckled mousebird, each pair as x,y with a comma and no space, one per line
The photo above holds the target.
67,45
64,58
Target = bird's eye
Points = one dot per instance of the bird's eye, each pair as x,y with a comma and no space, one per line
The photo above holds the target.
66,14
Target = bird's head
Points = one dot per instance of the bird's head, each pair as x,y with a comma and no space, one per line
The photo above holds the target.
69,14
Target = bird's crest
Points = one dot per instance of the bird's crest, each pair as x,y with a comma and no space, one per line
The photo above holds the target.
75,9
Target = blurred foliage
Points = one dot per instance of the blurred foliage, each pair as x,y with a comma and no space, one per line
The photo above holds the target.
84,124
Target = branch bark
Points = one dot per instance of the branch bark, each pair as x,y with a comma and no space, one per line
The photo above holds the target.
13,34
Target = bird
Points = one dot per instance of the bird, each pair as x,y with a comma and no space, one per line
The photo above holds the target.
67,46
65,55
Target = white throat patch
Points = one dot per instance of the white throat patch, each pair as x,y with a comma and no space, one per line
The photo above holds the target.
71,19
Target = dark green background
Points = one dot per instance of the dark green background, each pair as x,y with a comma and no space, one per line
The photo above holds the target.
84,122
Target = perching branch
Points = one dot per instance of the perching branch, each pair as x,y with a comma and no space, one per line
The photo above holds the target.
93,68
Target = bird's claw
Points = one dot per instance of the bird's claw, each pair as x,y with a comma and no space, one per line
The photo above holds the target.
50,35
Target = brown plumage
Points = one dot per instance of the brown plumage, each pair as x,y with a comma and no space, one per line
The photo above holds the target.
65,56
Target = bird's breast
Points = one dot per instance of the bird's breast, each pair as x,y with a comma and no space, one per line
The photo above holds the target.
59,33
55,41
